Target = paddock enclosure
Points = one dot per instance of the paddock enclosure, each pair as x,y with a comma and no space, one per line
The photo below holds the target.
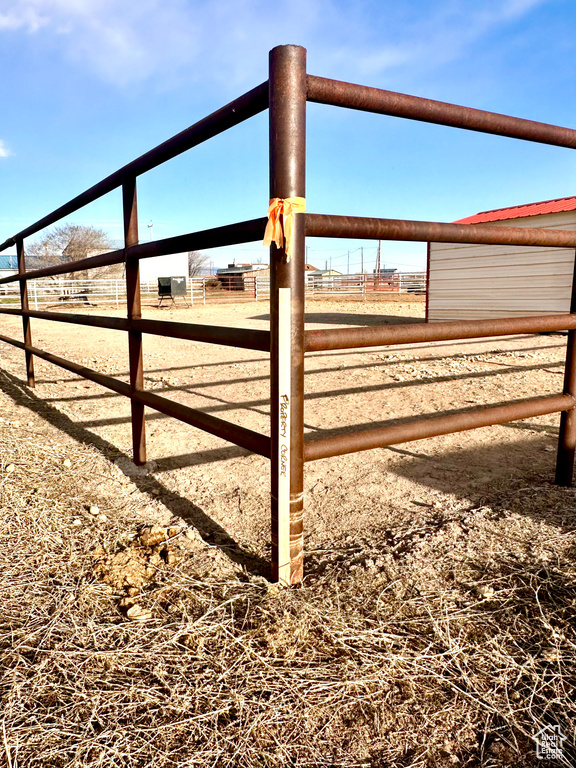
285,95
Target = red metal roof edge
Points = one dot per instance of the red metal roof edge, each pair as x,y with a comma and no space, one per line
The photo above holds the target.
520,211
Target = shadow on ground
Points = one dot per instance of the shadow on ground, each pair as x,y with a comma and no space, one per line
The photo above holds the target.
350,318
515,476
208,529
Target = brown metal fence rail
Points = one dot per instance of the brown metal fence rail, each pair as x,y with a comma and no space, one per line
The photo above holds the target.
285,95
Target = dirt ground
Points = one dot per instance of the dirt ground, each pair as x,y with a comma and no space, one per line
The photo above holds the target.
484,496
217,486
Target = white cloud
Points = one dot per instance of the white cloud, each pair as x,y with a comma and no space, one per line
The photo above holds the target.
4,151
22,16
423,36
227,40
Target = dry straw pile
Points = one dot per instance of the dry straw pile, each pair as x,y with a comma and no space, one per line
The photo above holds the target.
394,652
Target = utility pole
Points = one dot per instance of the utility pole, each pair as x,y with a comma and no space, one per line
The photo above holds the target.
348,264
377,276
362,259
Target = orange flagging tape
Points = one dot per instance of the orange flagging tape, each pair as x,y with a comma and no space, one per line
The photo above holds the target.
280,220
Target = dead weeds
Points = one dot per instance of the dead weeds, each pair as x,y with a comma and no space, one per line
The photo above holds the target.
448,644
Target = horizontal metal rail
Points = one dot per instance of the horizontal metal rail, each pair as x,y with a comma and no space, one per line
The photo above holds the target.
243,338
230,234
361,97
434,426
322,225
320,90
246,438
93,262
233,433
242,108
99,378
319,225
95,321
319,340
415,333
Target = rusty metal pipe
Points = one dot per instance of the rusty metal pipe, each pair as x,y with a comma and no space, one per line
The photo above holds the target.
355,338
341,94
246,438
81,370
231,234
322,225
134,312
243,338
102,260
24,307
567,433
287,99
242,108
96,321
434,426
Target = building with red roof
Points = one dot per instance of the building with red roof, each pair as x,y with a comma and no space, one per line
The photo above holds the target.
469,282
522,211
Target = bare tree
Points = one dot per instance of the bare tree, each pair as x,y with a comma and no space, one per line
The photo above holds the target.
68,242
197,263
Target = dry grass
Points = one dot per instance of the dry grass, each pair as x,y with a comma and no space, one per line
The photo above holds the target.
364,665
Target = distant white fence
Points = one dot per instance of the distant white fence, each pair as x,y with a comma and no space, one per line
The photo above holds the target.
366,284
48,292
363,285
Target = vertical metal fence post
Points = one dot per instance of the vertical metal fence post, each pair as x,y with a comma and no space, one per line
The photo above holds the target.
25,307
287,84
133,302
567,437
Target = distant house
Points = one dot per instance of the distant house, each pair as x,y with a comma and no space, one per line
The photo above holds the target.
8,265
240,277
234,277
470,282
320,277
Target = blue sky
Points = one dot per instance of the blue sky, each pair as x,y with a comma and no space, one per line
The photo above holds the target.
88,85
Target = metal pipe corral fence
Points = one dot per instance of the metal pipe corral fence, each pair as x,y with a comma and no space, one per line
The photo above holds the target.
49,292
285,93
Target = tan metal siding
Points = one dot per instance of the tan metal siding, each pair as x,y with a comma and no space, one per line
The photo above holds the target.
474,282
